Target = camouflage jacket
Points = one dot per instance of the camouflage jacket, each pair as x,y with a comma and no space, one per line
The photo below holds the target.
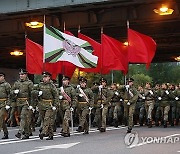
176,96
25,87
116,96
49,95
71,92
89,95
5,88
149,96
130,94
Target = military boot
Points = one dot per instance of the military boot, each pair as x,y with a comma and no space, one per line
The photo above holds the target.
50,138
172,122
141,122
165,124
5,136
157,123
115,123
25,137
80,129
150,124
18,135
41,136
129,130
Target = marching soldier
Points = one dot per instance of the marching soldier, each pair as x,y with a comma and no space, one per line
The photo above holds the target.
85,104
164,96
104,99
68,102
21,90
4,103
149,103
47,104
130,98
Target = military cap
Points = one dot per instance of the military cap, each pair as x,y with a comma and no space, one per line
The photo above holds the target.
103,80
2,74
22,71
82,79
95,83
46,74
130,80
66,78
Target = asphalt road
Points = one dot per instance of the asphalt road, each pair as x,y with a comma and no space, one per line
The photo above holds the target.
113,141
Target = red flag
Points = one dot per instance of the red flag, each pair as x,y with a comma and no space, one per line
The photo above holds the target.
97,52
114,54
34,57
141,48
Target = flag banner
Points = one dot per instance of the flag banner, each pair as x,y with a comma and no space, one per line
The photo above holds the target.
141,48
59,46
97,52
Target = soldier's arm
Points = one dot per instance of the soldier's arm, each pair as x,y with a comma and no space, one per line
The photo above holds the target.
55,95
73,97
91,98
8,90
135,97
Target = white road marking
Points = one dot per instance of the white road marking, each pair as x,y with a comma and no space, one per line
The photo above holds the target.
12,141
60,146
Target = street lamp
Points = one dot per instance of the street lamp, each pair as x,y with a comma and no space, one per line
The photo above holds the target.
34,24
164,10
16,53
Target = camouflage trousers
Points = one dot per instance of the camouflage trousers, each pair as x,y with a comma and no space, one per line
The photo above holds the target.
83,115
66,118
164,110
173,110
117,111
25,120
129,112
47,121
149,106
2,120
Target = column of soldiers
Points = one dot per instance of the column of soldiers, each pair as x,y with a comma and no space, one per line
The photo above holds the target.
99,105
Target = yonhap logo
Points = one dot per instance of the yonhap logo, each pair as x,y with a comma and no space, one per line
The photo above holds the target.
131,139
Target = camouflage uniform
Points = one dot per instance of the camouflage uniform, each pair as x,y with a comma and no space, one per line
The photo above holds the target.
48,102
4,102
130,98
103,102
83,105
65,106
22,92
149,105
164,97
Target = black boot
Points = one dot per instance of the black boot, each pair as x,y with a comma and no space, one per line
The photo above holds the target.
50,138
18,135
25,137
79,129
150,124
165,124
157,123
129,130
102,129
65,134
172,122
5,136
115,123
41,136
140,122
86,132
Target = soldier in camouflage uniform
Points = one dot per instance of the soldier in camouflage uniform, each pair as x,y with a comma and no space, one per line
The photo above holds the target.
21,90
68,102
149,103
156,105
176,97
85,98
130,98
103,102
164,97
4,103
115,107
47,104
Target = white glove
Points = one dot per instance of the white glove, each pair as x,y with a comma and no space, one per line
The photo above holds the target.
102,106
128,103
16,91
37,109
78,86
143,97
116,93
33,110
127,86
90,108
60,97
159,98
100,87
177,98
151,92
71,109
81,95
40,93
7,107
53,108
30,107
120,100
167,92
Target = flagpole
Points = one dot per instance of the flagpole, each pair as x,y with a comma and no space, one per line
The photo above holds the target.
101,51
43,42
79,30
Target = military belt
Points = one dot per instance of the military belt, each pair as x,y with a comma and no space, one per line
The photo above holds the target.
3,99
22,98
82,102
99,101
126,100
47,100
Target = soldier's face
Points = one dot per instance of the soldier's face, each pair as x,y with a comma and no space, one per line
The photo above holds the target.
130,83
65,82
83,84
103,84
22,76
46,78
1,78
